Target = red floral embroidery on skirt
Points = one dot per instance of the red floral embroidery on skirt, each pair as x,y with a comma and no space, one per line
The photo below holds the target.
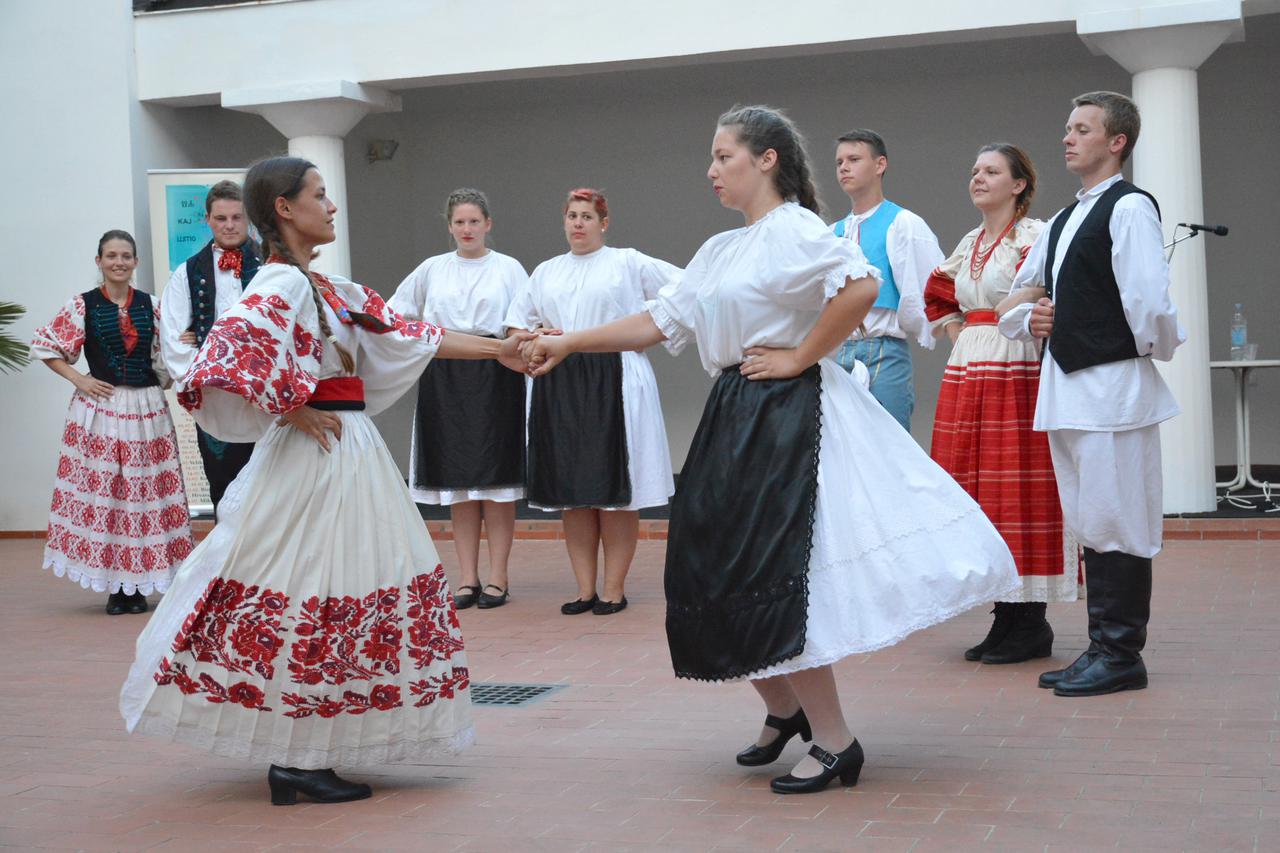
333,641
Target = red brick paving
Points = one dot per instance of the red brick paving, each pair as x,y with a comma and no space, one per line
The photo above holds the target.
960,756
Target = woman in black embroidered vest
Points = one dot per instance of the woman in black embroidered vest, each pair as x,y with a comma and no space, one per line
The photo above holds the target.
119,522
789,546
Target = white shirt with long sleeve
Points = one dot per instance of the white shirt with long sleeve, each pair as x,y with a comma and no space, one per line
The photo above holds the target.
573,292
913,253
1119,395
469,295
175,312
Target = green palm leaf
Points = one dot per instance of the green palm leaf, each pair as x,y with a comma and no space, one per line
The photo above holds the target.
13,352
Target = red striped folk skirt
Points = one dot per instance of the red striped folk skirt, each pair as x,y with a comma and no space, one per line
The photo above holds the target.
982,436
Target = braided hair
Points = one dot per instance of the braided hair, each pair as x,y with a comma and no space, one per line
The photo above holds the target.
760,128
268,180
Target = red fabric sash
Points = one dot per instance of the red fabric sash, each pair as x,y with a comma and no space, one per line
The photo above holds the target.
345,389
980,318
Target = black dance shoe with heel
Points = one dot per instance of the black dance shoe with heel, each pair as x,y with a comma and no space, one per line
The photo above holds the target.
136,603
323,786
845,765
466,596
796,724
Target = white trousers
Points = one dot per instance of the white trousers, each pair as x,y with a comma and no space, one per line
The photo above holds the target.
1111,488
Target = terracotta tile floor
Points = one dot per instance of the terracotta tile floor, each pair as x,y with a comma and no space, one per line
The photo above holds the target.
960,756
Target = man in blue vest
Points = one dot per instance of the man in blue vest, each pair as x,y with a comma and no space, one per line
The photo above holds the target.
899,244
200,290
1100,289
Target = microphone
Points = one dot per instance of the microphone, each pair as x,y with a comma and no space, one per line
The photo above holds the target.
1220,230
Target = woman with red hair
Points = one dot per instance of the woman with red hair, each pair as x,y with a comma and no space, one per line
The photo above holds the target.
597,442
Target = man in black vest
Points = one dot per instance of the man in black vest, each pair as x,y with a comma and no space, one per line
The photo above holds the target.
210,282
1097,289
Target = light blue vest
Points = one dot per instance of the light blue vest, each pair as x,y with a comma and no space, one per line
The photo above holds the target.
873,240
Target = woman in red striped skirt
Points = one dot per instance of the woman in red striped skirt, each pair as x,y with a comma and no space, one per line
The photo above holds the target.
982,430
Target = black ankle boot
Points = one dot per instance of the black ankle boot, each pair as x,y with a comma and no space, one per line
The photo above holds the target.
1000,625
847,765
1094,570
1122,632
323,786
1030,637
796,724
136,603
117,603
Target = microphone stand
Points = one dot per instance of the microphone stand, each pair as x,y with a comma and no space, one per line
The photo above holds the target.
1172,245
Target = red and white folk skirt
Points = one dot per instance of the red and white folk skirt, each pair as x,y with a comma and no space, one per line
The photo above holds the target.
314,626
982,436
118,521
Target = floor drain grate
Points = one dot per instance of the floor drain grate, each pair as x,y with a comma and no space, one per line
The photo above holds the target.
511,695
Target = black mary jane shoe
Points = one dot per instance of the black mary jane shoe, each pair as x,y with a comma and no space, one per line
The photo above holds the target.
846,765
796,724
573,608
488,601
608,608
463,599
117,603
323,786
136,603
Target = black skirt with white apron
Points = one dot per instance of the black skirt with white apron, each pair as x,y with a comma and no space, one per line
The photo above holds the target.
742,528
578,435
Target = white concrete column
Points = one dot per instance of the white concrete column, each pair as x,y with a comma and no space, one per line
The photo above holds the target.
315,117
1162,46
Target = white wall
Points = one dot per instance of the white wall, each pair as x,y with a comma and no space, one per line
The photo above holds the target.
64,95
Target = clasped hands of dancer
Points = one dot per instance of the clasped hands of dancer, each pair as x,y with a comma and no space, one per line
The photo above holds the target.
318,423
548,349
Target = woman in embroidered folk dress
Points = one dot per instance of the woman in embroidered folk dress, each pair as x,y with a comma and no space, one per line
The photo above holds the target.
119,519
467,451
597,440
982,430
314,626
788,549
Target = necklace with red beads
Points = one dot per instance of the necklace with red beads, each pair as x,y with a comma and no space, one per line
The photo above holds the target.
978,260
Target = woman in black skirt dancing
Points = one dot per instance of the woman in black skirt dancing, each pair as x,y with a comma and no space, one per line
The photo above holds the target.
786,550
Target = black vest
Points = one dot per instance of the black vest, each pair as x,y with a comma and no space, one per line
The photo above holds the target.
104,345
200,284
1089,325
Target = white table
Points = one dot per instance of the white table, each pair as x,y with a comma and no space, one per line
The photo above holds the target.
1244,470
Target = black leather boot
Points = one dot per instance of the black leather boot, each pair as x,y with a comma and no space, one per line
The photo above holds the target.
323,786
1095,570
1126,611
1030,637
117,603
1000,625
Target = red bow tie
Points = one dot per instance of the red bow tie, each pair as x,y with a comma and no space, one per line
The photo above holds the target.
232,259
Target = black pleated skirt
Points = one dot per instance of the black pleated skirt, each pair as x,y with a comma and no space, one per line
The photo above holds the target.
469,429
578,435
742,528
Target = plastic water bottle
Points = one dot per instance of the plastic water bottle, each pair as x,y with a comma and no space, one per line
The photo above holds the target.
1239,334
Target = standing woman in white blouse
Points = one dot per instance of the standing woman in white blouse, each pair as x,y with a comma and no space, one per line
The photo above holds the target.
597,441
809,525
467,450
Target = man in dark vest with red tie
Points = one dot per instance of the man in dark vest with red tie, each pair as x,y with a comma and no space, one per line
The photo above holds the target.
1100,285
200,290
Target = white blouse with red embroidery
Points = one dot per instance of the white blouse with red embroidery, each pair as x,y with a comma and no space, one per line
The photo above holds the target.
264,356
